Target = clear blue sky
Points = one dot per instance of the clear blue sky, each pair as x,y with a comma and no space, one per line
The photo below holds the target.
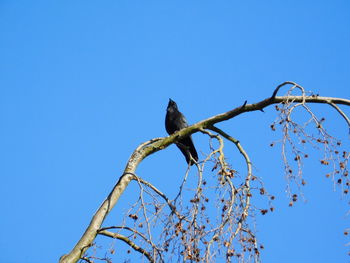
84,82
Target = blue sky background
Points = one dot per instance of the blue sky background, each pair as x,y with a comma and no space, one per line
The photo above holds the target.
84,82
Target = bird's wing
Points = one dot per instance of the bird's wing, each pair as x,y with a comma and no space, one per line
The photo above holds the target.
182,121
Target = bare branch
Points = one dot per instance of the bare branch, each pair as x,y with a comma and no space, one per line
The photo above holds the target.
127,241
341,113
171,206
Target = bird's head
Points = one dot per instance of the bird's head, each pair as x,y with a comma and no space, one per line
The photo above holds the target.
172,105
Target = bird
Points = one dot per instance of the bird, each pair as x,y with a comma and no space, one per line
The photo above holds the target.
175,121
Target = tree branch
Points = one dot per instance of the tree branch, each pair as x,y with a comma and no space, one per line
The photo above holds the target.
158,144
127,241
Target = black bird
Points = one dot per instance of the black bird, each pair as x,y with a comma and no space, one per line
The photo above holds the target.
175,121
